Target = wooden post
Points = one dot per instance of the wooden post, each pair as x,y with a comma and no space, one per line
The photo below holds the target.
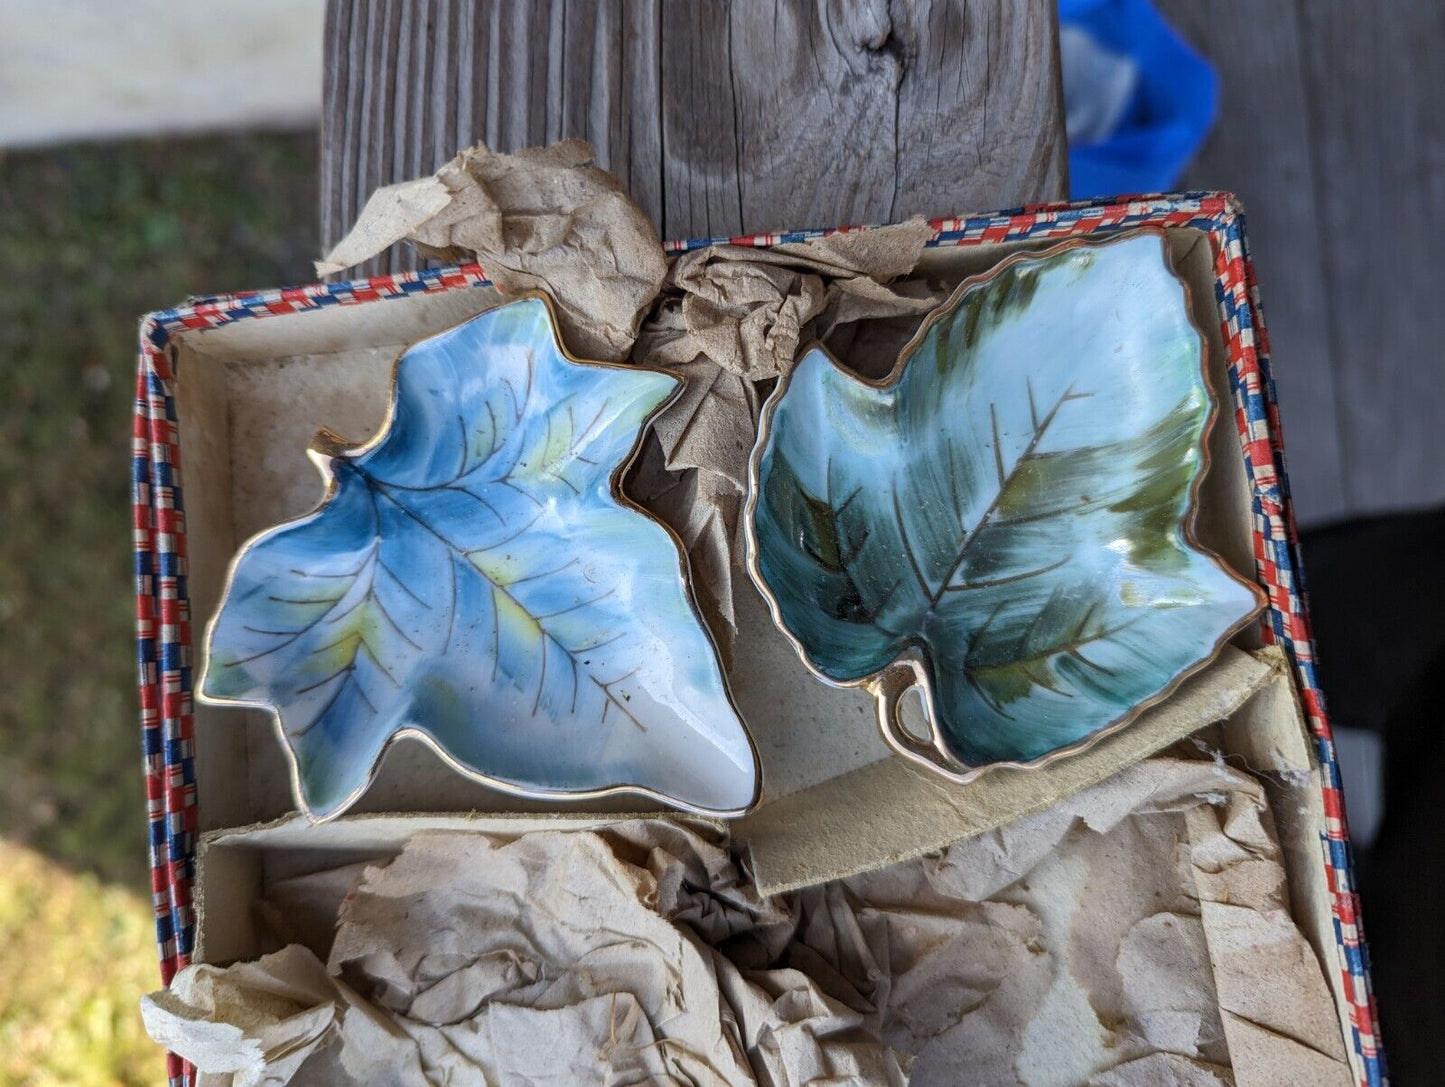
721,118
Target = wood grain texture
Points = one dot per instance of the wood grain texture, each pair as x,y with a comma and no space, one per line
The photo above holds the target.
1260,149
1376,83
721,118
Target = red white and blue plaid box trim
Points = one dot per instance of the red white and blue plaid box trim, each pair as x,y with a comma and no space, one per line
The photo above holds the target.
163,619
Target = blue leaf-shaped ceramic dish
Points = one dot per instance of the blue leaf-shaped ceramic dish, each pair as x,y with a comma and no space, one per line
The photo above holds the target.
1005,522
474,578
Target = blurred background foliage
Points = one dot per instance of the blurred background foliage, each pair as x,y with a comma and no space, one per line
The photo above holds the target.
91,237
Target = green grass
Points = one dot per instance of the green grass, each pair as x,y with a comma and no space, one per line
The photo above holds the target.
91,238
75,955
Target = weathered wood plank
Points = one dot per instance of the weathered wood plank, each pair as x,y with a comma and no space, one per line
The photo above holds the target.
1374,78
981,96
1260,149
722,118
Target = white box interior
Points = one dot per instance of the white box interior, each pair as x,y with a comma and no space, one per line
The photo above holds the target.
249,397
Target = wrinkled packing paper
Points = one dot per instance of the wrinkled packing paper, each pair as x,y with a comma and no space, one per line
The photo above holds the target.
543,218
1135,934
731,320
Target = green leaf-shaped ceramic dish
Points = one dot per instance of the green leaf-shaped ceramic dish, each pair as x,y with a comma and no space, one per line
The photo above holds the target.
473,578
1005,522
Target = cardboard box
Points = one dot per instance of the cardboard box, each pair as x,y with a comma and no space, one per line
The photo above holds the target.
238,397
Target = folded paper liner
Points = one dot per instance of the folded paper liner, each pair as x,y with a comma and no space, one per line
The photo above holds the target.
1135,932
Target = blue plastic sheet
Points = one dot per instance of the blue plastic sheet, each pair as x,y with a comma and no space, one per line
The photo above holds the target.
1139,101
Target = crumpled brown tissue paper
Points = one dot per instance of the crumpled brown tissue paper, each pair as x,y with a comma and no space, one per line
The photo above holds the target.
731,320
1136,933
550,958
544,218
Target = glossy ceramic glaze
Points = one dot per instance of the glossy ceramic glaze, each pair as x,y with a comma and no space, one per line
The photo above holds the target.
1005,522
473,578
